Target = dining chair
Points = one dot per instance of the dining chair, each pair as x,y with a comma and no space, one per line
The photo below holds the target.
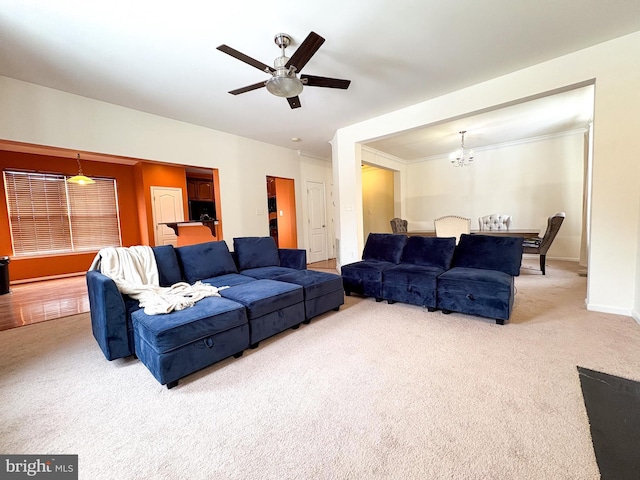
541,246
398,225
494,222
452,226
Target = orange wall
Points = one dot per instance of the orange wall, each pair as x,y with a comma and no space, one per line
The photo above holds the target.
157,175
286,202
36,267
194,235
134,184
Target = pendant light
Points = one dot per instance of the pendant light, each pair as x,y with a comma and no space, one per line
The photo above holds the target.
80,179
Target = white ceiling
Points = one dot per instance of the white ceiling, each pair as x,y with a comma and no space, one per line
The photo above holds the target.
160,56
546,116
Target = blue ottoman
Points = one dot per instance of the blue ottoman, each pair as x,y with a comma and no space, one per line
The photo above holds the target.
322,291
179,343
272,306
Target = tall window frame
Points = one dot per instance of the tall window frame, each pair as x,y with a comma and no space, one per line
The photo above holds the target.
50,216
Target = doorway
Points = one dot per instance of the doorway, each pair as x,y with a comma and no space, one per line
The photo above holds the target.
281,201
377,199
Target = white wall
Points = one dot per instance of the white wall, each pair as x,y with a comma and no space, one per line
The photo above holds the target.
43,116
529,180
613,263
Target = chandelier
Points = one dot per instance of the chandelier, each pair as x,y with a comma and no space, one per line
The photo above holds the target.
462,157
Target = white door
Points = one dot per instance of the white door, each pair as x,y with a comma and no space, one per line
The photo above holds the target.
317,222
167,206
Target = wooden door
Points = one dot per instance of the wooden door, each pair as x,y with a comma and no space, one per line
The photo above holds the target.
167,207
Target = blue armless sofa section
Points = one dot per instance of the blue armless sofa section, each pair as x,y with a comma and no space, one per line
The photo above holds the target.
269,291
474,277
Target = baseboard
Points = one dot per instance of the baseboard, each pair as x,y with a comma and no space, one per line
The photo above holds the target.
627,312
50,277
562,259
636,316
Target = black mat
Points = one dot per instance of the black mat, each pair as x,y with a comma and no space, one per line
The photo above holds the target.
613,407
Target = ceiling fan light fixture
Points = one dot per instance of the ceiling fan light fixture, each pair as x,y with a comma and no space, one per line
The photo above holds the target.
284,86
284,81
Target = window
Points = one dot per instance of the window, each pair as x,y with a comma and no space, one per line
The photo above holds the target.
48,215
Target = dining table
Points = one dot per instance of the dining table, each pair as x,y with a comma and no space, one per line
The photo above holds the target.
521,232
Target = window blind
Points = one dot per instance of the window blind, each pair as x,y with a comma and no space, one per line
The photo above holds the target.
49,215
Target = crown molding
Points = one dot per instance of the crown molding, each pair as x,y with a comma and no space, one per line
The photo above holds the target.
485,148
310,155
388,156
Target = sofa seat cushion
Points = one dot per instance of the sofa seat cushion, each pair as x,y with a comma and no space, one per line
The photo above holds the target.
255,252
476,280
228,280
315,284
262,297
268,272
408,274
366,270
208,317
205,260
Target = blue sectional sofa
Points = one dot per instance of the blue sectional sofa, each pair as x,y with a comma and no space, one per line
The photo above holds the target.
475,277
269,291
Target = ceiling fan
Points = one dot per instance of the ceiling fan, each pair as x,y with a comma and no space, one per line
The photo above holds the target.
284,81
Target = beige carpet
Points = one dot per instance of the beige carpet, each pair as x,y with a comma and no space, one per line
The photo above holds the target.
373,391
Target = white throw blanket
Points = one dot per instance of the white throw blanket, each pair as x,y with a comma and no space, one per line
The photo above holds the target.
135,273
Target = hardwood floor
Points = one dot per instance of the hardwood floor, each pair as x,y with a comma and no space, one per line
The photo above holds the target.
324,266
35,302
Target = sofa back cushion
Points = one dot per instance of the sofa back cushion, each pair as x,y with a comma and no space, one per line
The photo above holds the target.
256,252
205,260
488,252
386,247
429,251
168,266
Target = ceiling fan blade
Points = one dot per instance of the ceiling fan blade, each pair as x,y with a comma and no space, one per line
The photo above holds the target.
314,81
294,102
248,88
245,58
305,51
